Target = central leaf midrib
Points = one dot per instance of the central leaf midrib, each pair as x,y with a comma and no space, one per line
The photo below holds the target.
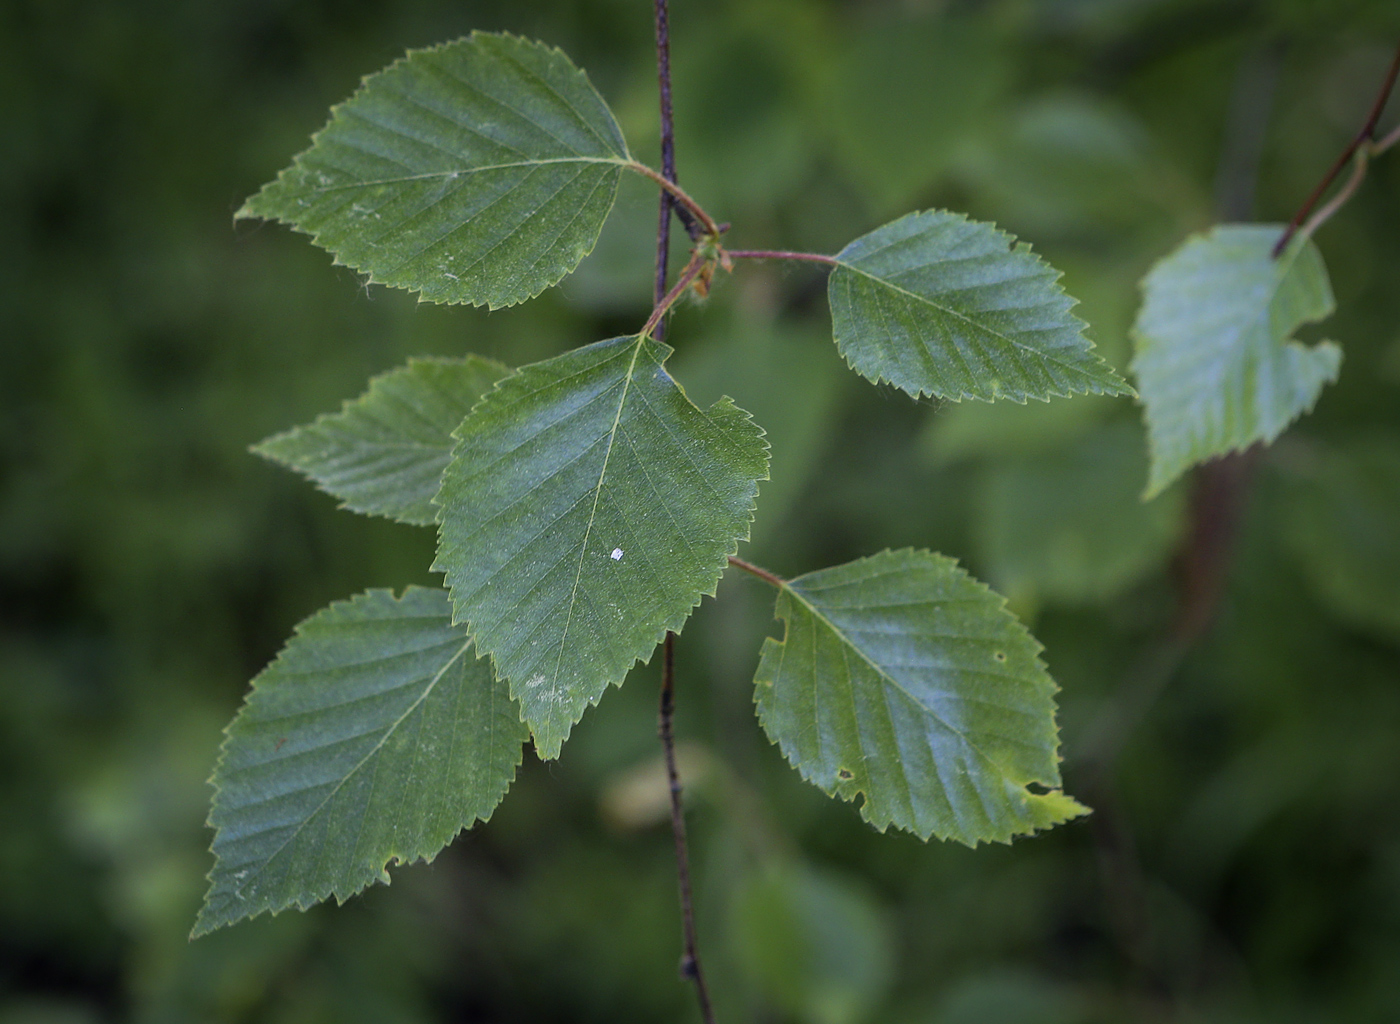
597,494
388,732
846,641
457,172
963,317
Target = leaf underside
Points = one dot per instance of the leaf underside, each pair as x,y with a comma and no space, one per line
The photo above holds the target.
935,303
904,680
477,171
376,736
588,506
383,453
1214,359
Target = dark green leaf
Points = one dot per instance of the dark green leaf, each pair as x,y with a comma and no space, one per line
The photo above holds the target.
377,735
904,680
939,304
1215,360
588,506
816,943
384,453
477,171
1070,525
1344,526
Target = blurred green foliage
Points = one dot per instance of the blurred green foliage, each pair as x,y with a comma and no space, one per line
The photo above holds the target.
1241,865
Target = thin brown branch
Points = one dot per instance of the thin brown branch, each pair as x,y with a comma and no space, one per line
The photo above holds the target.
668,145
690,958
1364,136
780,254
763,574
656,326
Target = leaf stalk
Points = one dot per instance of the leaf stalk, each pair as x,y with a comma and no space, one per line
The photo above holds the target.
767,577
1363,141
680,194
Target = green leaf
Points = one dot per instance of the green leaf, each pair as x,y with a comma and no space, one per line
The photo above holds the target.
376,736
816,943
1070,526
383,454
477,171
588,506
939,304
1214,360
903,679
1343,524
951,75
782,373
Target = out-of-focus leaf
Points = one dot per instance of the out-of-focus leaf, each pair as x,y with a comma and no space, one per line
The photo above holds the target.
790,380
1344,527
384,453
950,76
745,145
477,171
588,506
1070,526
1071,164
903,680
816,945
970,430
939,304
377,735
1008,997
641,796
1215,359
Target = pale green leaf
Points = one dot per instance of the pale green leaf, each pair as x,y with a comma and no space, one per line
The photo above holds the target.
903,680
938,304
1343,523
377,735
1070,526
1214,356
588,506
383,453
477,171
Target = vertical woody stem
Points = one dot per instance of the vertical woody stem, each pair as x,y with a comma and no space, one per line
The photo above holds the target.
690,957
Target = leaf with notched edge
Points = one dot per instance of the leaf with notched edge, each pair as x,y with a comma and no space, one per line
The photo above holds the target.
1214,358
904,680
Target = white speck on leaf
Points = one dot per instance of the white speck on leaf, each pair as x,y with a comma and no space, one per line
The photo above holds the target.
617,554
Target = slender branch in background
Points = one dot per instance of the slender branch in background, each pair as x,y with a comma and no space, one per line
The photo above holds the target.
763,574
690,959
668,146
1363,138
779,254
656,326
1360,162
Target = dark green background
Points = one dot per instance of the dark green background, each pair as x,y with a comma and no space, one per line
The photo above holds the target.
1244,863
